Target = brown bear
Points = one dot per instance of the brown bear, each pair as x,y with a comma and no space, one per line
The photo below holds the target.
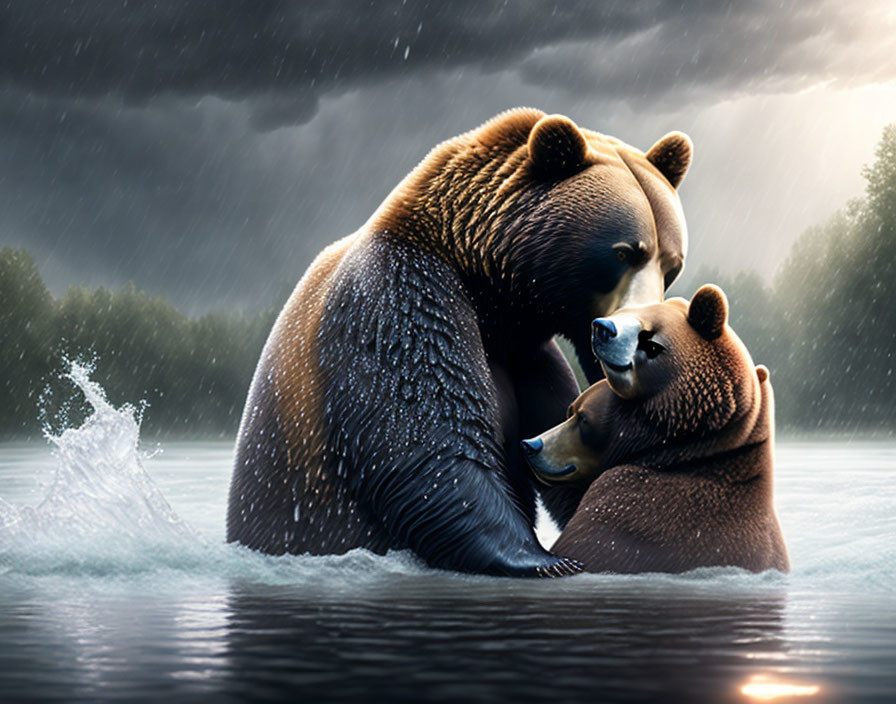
389,402
678,440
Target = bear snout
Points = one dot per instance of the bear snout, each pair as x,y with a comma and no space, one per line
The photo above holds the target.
603,329
532,447
615,340
541,466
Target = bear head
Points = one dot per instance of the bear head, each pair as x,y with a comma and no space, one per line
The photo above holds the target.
568,223
678,380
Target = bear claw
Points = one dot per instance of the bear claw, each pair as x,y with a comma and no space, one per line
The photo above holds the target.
563,567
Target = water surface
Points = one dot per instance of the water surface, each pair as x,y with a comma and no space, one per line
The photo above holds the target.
116,583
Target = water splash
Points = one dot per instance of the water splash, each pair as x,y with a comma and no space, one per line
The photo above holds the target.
103,516
100,490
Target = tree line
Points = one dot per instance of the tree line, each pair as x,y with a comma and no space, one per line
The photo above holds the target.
825,326
192,373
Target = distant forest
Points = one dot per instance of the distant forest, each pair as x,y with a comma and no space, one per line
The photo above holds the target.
825,326
192,373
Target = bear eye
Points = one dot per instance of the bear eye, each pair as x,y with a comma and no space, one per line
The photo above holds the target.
648,345
583,419
631,254
651,349
624,252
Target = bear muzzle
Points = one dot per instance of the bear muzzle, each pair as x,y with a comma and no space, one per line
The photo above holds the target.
544,470
614,341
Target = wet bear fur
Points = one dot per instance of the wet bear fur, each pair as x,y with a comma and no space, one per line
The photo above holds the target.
389,401
681,445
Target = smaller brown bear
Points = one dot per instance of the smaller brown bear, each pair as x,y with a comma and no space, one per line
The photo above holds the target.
678,440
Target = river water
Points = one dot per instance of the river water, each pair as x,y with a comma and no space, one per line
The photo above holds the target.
116,584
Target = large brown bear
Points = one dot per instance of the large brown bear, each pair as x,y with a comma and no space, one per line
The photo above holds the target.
680,439
414,355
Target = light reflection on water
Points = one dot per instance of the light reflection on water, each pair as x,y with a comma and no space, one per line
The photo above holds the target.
178,618
765,688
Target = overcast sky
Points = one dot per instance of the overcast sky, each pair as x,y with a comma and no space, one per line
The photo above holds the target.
207,150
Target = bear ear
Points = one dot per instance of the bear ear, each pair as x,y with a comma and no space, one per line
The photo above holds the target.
557,146
708,311
672,156
762,373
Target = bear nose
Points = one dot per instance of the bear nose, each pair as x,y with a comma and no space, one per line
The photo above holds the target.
604,329
532,447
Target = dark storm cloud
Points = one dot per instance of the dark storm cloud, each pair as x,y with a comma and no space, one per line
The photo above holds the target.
281,57
208,150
